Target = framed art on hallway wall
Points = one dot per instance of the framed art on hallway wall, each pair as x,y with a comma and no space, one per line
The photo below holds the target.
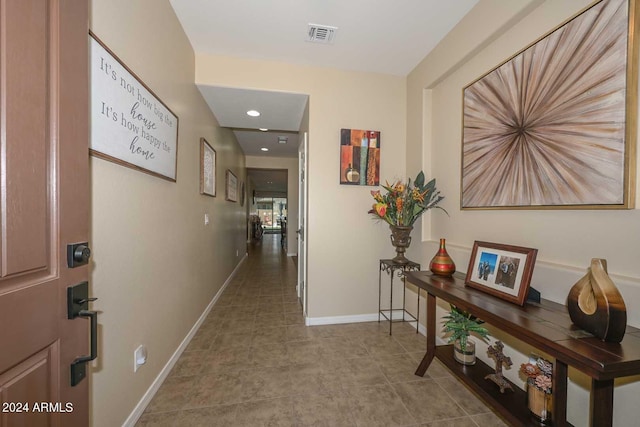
130,125
231,188
207,169
554,126
359,157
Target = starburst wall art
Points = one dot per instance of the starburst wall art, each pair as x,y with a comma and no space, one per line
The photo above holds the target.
555,125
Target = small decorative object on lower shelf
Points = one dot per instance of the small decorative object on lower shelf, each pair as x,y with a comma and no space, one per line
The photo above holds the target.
442,264
496,351
595,304
538,373
460,324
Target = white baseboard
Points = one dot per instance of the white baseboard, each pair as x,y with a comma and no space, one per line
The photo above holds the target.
164,373
333,320
292,254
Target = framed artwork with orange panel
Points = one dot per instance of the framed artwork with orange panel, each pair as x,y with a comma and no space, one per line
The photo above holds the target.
359,157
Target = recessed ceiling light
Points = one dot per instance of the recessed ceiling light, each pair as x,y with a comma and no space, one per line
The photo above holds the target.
263,129
264,149
253,113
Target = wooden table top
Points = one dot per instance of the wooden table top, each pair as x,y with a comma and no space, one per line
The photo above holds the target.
545,325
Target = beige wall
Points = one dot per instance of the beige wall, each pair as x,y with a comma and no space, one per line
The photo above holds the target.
344,244
291,165
566,239
155,265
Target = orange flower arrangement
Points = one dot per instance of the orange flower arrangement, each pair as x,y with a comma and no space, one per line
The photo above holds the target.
404,203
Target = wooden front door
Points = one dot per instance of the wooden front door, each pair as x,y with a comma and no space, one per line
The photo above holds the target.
44,205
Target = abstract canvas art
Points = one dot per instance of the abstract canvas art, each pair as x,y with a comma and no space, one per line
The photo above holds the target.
554,126
359,157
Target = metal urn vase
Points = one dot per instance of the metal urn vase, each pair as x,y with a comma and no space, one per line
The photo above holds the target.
442,264
400,239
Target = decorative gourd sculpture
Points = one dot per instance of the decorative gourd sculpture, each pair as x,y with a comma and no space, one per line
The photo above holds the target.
595,304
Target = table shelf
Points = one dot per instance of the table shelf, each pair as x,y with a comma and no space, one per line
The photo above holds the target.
545,325
512,405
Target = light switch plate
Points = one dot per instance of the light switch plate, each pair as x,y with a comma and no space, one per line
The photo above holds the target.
139,357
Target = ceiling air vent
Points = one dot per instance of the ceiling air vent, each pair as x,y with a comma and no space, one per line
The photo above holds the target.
321,33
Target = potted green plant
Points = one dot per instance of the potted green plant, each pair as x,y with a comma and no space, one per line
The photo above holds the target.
460,324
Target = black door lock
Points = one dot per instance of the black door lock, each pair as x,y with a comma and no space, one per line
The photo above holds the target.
78,254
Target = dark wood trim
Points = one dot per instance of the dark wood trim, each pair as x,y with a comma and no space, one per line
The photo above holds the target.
601,403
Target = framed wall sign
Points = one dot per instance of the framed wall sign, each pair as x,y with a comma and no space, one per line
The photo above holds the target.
207,169
554,127
130,126
501,270
231,191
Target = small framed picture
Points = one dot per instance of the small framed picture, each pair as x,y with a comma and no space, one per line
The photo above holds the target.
501,270
231,193
207,169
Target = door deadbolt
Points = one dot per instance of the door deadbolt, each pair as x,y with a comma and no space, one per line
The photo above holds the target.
78,254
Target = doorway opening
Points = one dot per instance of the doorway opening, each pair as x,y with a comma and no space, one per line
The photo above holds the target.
268,207
273,213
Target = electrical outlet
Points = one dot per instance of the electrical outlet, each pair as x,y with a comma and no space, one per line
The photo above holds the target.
237,252
139,357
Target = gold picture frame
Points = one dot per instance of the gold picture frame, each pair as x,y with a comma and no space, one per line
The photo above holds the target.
554,126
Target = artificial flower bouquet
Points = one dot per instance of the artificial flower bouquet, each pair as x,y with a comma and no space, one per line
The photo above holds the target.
404,203
538,373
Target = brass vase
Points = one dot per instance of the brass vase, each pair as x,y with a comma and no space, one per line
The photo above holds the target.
442,264
595,304
400,239
539,403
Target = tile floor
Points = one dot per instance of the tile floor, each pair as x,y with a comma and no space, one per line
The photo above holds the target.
253,362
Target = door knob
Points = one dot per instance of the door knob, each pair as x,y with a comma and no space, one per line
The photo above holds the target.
78,254
81,253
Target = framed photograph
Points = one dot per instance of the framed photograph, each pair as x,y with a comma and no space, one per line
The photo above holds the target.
501,270
554,126
359,157
231,193
207,169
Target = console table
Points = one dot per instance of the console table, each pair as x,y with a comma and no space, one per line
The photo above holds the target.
393,268
546,326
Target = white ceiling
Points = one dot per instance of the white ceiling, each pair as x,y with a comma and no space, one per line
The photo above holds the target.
281,113
380,36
